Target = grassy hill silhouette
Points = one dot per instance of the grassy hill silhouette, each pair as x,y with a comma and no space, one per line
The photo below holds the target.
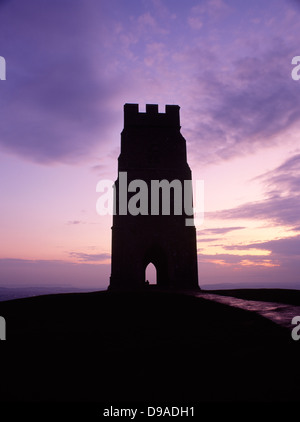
143,347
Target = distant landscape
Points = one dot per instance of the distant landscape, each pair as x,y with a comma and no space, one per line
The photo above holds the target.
18,292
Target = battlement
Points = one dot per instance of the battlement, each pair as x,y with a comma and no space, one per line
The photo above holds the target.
132,116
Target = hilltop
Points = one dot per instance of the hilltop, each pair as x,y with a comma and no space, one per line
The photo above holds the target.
141,347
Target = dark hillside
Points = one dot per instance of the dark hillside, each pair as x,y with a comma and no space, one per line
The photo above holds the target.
146,346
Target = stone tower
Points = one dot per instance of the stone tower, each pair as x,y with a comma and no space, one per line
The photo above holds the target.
152,150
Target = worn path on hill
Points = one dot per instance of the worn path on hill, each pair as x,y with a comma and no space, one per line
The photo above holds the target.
280,313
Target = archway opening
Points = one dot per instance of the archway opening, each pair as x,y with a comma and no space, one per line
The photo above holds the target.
151,274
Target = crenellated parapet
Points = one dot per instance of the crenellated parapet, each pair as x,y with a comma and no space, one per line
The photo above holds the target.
133,117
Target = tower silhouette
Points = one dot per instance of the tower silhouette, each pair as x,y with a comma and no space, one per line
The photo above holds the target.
153,149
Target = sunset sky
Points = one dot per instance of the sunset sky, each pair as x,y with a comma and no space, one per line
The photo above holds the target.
71,65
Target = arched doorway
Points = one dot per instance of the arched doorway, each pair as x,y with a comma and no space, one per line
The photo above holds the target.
151,274
157,258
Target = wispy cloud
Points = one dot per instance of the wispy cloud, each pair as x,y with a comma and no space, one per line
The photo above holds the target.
54,102
238,261
277,210
288,246
282,203
74,222
218,230
89,257
284,179
250,101
71,68
208,239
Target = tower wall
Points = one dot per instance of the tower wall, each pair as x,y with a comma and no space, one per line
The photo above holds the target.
152,148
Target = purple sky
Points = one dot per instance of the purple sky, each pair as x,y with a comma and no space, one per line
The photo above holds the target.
70,67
